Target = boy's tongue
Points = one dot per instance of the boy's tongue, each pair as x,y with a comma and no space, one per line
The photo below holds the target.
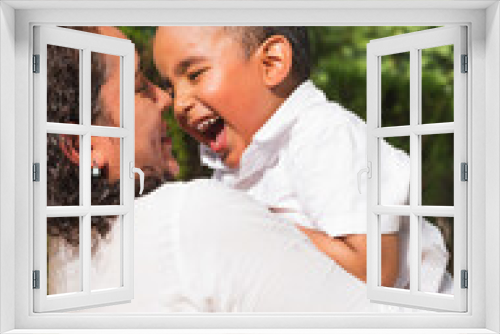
220,141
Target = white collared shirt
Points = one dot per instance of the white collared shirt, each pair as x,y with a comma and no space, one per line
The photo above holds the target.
303,164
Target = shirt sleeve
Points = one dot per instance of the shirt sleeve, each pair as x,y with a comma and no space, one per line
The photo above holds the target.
326,156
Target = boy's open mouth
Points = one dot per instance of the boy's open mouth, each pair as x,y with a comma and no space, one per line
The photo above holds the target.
212,132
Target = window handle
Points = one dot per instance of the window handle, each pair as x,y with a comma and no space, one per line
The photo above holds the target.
133,170
368,171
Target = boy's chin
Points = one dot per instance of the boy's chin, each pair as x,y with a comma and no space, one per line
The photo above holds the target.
231,161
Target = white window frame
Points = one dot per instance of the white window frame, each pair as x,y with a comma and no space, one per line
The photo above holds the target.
86,43
413,44
483,20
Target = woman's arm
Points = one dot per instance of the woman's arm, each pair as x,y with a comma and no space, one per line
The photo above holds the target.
350,252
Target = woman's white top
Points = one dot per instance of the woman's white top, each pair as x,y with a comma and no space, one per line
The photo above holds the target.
200,247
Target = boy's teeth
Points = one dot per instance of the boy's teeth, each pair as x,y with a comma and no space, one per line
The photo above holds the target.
203,126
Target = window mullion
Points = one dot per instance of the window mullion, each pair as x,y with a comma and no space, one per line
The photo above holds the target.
415,89
80,130
85,165
80,211
85,102
419,129
85,242
420,210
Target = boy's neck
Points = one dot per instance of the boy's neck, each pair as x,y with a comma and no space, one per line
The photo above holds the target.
285,89
280,94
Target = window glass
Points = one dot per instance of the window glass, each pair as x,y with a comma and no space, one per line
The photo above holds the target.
395,170
105,171
106,89
106,267
431,276
63,170
63,84
437,169
389,253
437,84
63,255
395,95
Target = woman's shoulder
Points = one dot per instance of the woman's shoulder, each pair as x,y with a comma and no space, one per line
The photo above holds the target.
176,195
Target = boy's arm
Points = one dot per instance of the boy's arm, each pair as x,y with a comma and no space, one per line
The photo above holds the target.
350,252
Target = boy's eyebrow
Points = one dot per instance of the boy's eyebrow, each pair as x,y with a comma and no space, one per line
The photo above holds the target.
182,66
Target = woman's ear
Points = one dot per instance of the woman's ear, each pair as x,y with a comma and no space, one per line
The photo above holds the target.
106,154
276,59
70,148
102,148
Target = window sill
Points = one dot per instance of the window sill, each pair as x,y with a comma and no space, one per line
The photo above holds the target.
250,331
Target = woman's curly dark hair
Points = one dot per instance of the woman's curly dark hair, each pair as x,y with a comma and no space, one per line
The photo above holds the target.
63,73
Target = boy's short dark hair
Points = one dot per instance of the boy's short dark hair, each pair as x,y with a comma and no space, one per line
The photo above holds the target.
251,37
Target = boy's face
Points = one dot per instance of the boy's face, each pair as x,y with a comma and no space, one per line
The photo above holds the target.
219,95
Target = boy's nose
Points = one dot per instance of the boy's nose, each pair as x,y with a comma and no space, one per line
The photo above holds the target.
182,106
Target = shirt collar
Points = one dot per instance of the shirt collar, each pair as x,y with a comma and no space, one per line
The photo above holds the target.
262,151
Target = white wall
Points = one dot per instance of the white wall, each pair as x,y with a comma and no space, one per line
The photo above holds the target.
492,165
7,159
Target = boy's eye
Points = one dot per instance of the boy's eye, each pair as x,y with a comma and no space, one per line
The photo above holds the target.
194,75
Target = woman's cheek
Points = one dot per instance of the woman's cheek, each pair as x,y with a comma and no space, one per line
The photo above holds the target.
111,100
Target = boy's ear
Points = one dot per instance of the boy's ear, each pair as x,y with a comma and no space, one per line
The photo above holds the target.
276,59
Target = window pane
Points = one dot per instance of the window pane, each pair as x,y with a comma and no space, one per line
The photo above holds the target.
106,252
437,169
394,170
432,267
63,255
63,170
63,84
393,251
395,95
105,92
437,84
105,171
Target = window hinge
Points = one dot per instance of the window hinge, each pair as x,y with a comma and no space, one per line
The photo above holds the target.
465,279
464,172
36,172
465,63
36,279
36,63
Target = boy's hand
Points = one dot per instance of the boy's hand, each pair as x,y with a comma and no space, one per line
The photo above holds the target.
350,252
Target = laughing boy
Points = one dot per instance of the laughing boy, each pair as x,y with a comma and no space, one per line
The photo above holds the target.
244,93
